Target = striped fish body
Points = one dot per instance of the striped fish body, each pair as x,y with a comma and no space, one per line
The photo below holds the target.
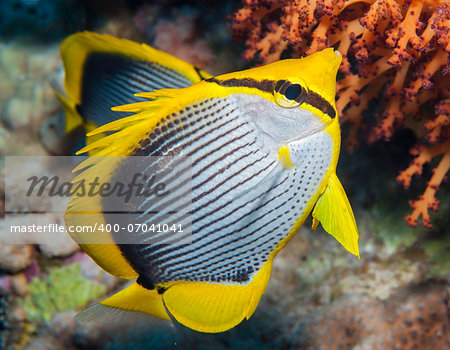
258,150
243,203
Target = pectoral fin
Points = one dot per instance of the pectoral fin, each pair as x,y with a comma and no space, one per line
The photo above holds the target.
284,157
334,212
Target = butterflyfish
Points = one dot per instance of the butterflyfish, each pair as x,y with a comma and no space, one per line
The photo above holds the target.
102,71
262,144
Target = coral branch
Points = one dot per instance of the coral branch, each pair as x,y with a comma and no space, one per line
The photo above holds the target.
400,47
405,33
437,126
427,200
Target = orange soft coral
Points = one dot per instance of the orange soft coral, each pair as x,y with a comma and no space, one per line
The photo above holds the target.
395,52
427,200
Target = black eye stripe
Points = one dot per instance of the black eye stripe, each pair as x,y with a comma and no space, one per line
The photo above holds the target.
320,103
279,84
311,97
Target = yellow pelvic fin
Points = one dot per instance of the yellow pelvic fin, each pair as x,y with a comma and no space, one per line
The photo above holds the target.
139,299
73,119
334,212
283,156
213,308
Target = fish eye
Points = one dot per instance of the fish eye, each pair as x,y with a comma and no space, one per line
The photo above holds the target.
289,94
293,91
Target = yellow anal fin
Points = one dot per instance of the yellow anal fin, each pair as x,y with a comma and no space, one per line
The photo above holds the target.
334,212
83,220
139,299
213,308
98,245
110,259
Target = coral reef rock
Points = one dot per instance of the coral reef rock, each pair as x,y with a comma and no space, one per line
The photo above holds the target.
15,257
415,317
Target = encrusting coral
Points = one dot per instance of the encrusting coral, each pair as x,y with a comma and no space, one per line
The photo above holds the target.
64,288
395,53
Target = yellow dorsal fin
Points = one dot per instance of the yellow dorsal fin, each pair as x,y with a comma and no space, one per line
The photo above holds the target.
334,212
86,223
127,133
109,258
